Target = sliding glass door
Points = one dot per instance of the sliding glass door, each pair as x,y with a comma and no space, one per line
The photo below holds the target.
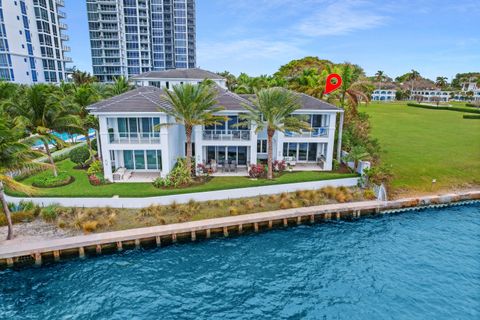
231,154
142,160
302,152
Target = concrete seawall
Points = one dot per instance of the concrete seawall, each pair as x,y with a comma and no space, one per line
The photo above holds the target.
96,244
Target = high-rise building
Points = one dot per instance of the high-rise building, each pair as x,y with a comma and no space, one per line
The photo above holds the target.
129,37
32,41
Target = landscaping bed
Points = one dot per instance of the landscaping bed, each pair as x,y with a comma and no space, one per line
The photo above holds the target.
81,187
46,179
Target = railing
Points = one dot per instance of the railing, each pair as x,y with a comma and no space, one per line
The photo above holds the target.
226,135
60,3
315,133
133,137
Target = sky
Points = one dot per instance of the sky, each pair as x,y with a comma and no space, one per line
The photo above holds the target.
434,37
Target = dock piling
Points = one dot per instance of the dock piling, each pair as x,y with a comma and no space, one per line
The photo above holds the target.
119,246
81,252
56,255
193,235
38,258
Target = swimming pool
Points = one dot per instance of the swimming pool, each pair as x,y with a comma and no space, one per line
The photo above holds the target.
416,265
66,136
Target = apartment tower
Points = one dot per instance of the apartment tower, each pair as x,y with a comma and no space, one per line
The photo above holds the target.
130,37
32,41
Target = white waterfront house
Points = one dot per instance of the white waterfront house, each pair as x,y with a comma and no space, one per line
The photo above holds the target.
430,95
384,95
135,148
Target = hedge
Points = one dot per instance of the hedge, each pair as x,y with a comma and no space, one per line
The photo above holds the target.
48,180
459,109
471,105
471,116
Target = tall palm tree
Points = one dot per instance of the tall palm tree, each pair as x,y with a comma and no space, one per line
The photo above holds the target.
15,155
413,76
353,90
42,111
272,110
82,97
120,86
192,105
380,76
441,82
82,77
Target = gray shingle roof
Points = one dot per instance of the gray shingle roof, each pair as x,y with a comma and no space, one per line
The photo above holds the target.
147,99
194,73
307,102
141,99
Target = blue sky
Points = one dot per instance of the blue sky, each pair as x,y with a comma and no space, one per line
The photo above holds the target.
435,37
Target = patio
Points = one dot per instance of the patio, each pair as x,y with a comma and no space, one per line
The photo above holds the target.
135,176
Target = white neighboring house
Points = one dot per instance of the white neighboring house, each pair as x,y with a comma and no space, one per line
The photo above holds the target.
134,148
431,95
470,86
168,78
384,95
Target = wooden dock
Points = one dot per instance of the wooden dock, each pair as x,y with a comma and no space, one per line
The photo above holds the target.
96,244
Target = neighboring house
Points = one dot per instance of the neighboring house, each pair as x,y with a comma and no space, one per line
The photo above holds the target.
430,95
384,95
470,91
132,141
168,78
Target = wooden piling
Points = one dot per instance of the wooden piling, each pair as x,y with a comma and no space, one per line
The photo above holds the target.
98,249
240,228
158,241
119,246
299,220
174,237
137,243
81,252
208,233
255,226
285,222
193,235
270,224
56,255
38,258
225,231
312,218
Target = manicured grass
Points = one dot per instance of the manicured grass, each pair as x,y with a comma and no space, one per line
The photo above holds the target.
422,144
82,188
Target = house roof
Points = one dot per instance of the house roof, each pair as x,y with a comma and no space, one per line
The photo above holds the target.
307,102
141,99
147,99
194,73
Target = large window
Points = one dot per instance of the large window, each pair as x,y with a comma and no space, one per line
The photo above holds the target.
136,129
231,154
302,152
144,160
262,146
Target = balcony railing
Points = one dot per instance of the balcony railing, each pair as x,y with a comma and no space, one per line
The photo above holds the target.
226,135
315,133
133,137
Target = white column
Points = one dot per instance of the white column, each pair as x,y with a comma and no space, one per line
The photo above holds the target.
164,147
339,141
105,144
253,144
278,146
198,144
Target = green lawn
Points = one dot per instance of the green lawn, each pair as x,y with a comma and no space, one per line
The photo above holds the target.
82,188
422,144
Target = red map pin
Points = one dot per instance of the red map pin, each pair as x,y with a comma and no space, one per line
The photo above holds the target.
330,86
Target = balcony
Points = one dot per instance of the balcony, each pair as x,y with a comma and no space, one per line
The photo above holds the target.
62,14
66,49
62,26
60,3
226,135
133,137
67,59
319,132
64,37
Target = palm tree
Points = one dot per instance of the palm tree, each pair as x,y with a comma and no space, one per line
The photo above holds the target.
82,97
82,77
192,105
272,110
413,76
441,82
15,155
380,76
42,111
352,89
120,86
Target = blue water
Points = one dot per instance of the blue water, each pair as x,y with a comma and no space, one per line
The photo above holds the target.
65,136
418,265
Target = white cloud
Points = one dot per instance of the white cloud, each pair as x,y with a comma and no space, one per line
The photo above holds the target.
341,17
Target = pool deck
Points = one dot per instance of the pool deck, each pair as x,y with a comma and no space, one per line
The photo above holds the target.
80,246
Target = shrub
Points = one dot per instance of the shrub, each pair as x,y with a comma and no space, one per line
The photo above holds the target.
279,166
369,194
471,116
50,213
203,170
94,180
48,180
94,144
80,155
257,171
95,168
233,211
18,217
89,226
179,176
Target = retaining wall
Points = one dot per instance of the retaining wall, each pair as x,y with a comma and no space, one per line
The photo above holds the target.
184,198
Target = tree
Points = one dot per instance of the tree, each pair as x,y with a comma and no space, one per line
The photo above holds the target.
353,90
231,80
42,111
412,77
120,86
272,110
15,155
441,82
380,76
356,154
82,97
192,105
81,77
